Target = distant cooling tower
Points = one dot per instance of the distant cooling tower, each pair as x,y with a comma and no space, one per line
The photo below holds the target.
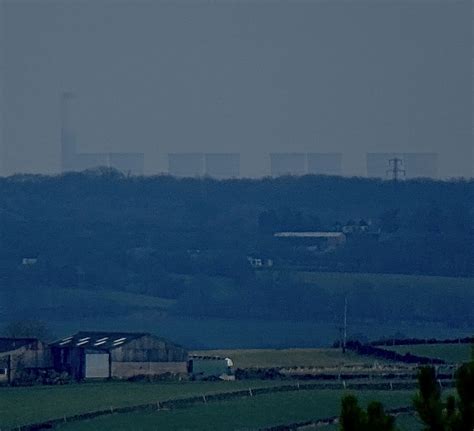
85,161
71,160
186,164
222,165
3,144
128,163
421,165
325,163
68,133
287,164
379,163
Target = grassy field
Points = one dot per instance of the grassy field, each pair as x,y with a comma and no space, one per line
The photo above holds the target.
70,310
136,300
267,358
342,281
242,414
451,353
59,304
39,403
117,298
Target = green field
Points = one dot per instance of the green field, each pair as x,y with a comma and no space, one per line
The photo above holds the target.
119,298
53,297
40,403
64,305
268,358
451,353
247,413
336,281
70,310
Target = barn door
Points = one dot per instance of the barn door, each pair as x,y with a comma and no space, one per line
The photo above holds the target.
97,365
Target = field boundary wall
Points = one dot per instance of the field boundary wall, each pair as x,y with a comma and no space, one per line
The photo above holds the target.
179,403
417,341
377,352
285,374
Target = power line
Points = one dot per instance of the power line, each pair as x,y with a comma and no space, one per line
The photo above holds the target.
396,170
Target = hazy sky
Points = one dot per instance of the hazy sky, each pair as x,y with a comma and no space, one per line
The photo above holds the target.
249,76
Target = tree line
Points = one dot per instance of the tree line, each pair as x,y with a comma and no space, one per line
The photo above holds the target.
185,239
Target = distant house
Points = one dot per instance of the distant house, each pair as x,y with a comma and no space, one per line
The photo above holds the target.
315,241
362,227
89,355
259,262
22,354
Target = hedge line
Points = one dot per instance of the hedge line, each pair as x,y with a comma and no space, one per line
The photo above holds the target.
277,374
415,341
408,358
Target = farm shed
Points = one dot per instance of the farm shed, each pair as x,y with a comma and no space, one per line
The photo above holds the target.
22,354
321,241
88,355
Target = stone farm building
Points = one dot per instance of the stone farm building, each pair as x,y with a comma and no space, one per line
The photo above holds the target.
314,241
117,355
19,355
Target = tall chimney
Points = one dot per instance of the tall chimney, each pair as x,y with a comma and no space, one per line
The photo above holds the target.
68,135
4,168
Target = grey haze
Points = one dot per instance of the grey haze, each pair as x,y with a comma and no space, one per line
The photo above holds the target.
252,77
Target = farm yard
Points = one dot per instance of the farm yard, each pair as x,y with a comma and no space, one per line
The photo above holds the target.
268,358
27,405
252,409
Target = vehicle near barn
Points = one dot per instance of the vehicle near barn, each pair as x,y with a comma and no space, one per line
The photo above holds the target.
205,367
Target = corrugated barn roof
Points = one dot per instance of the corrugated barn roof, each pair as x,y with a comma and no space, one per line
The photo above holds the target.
98,340
309,235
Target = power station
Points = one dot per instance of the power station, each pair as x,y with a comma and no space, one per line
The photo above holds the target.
186,164
324,163
227,165
71,160
305,164
215,165
222,165
287,164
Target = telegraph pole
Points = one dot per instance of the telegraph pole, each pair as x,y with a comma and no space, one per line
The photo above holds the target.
344,336
396,169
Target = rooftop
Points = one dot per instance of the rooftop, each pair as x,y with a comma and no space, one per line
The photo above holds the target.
8,344
309,234
98,340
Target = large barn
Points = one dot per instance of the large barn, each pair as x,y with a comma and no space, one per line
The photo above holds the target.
19,355
88,355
